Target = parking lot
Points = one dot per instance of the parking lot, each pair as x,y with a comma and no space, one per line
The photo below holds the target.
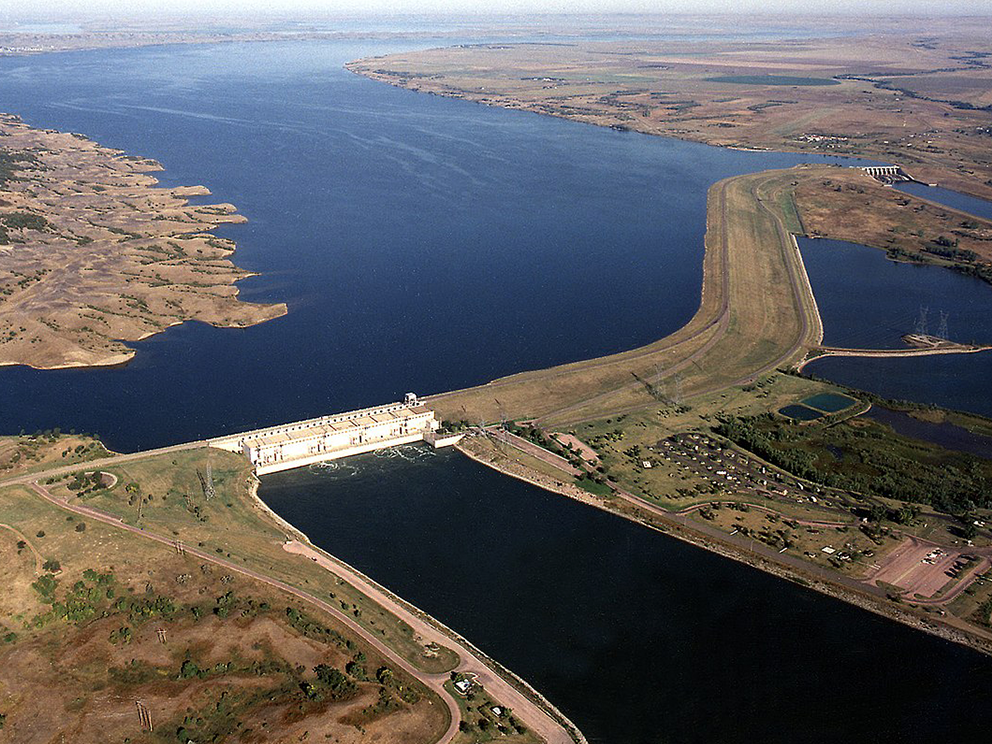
919,567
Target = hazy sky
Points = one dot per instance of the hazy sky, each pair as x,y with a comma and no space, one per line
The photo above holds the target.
236,8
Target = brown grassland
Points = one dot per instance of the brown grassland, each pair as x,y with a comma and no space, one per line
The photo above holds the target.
919,99
93,253
848,205
164,494
120,620
43,450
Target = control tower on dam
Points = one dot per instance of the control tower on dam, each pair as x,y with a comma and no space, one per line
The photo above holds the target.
331,437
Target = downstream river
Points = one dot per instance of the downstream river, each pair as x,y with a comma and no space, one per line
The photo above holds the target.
637,637
427,244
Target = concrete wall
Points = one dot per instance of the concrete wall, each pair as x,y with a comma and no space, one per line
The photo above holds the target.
276,467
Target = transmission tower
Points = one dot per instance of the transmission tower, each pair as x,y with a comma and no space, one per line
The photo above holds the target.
678,389
207,481
942,330
921,322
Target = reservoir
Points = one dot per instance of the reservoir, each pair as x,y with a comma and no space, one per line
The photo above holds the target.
637,637
421,243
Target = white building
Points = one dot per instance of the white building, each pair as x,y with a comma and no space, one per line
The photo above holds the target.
330,437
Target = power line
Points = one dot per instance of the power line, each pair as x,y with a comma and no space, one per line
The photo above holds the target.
942,330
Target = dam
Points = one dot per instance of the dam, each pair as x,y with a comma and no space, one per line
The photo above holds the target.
331,437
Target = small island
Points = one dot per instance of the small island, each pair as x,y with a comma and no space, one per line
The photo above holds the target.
95,253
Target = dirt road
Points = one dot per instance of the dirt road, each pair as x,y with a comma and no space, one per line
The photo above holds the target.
523,708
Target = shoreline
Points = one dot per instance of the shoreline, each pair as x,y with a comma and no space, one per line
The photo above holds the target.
367,67
161,263
687,534
471,650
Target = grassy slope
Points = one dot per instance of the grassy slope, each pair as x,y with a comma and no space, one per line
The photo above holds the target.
760,328
234,526
68,676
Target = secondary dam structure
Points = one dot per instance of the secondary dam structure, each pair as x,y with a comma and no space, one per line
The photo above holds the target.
331,437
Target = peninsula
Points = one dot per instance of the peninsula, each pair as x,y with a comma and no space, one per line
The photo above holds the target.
93,253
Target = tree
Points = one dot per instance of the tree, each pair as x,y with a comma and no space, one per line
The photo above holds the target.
384,675
334,680
877,513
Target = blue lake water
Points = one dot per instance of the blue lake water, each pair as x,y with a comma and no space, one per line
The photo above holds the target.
945,434
868,301
959,381
955,199
638,638
421,243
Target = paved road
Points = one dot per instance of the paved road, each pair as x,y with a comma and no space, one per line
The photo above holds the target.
529,448
88,465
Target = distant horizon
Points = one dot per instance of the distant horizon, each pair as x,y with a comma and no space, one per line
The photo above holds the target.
27,11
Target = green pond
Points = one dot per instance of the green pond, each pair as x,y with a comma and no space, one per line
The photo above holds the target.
829,402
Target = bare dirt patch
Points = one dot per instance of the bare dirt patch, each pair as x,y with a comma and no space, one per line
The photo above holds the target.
915,568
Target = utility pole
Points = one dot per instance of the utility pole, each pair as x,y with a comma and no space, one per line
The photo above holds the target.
921,322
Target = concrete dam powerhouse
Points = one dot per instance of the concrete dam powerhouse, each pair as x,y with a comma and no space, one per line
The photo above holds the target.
331,437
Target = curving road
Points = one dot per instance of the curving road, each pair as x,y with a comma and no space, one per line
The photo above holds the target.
524,709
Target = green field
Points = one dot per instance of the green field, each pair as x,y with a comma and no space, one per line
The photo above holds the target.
867,457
